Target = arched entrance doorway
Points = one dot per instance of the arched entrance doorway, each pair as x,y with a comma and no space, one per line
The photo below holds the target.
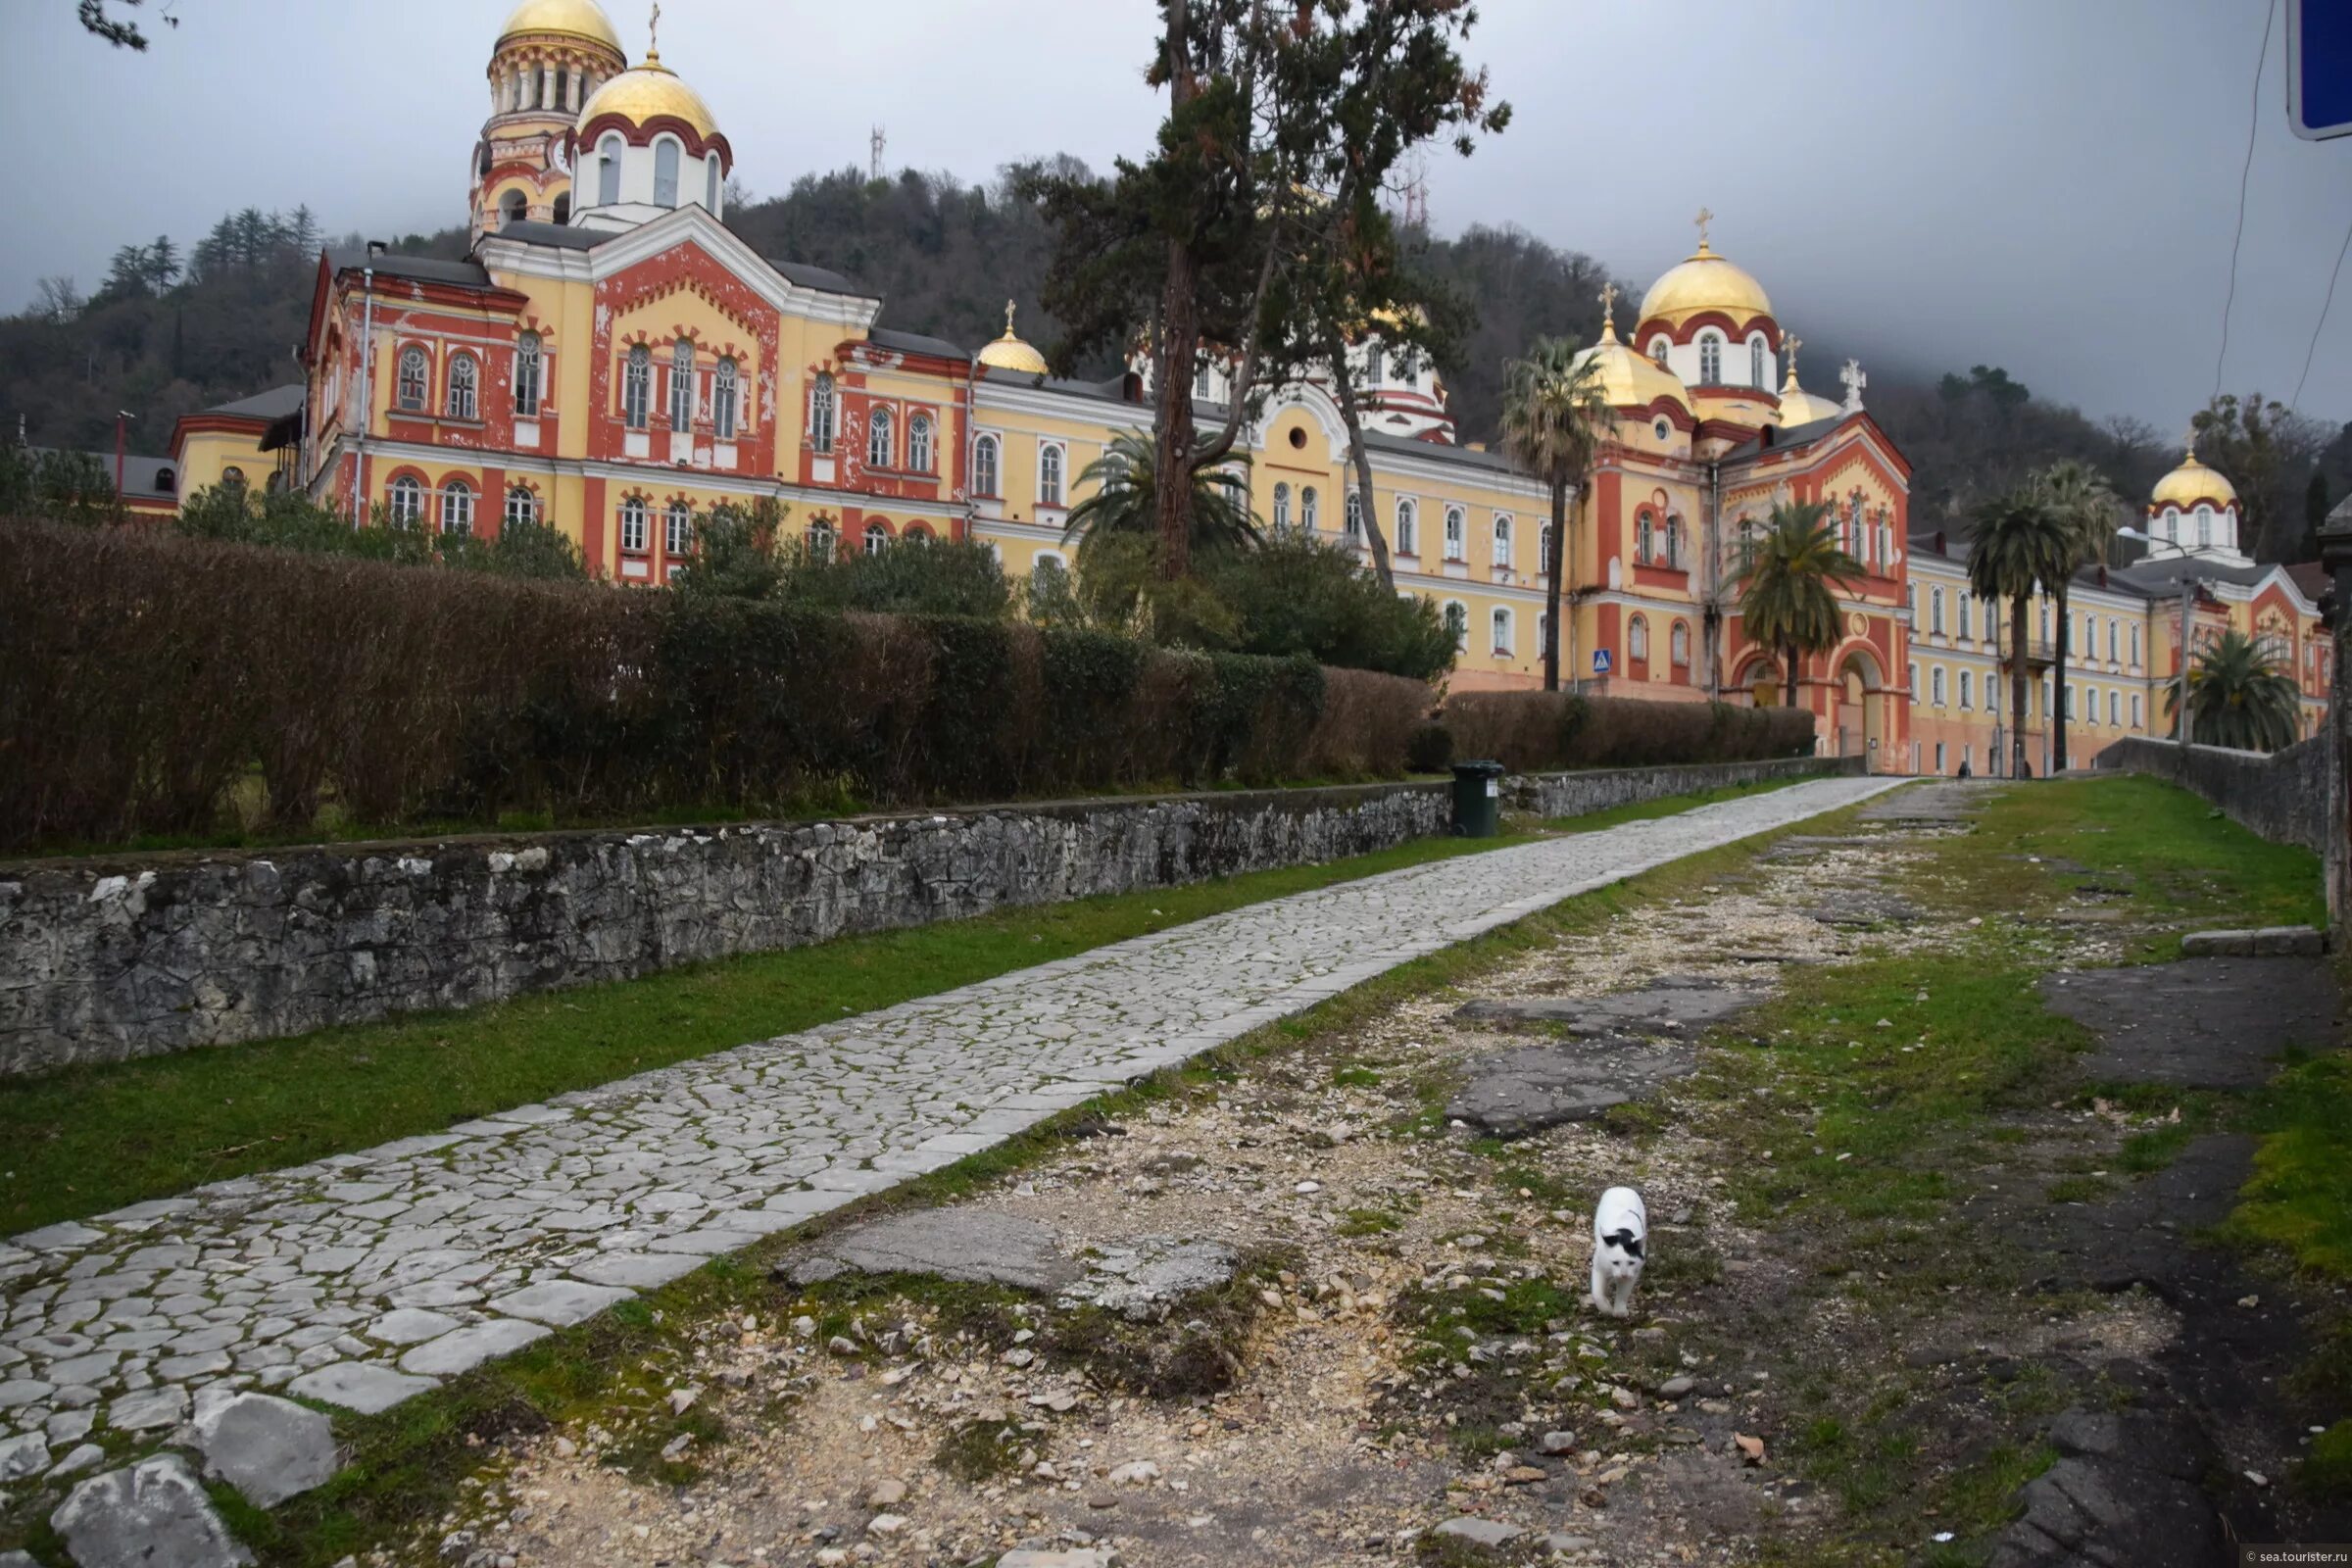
1763,684
1860,720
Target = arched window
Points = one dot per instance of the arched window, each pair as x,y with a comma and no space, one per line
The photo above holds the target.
637,387
1657,350
1309,510
1407,528
880,430
820,540
1374,364
1355,518
1935,611
1501,622
723,400
457,507
1457,542
1542,633
983,466
919,443
1678,643
877,538
711,184
917,536
513,208
415,378
1935,685
608,170
1544,550
2112,625
1673,542
1960,619
464,380
1710,359
632,525
2114,707
1503,542
275,482
1968,689
682,385
233,477
1281,509
821,414
1757,375
2204,528
1636,638
526,374
2136,711
665,172
1642,545
1049,475
678,529
406,503
1457,622
522,506
564,208
2135,646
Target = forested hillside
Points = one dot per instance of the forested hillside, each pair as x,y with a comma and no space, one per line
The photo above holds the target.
170,331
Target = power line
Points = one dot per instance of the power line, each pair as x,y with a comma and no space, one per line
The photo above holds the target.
2254,125
2296,400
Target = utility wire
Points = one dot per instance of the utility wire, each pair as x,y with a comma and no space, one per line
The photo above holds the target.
2296,400
2254,125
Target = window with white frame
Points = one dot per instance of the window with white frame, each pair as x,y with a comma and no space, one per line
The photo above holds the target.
2114,707
1710,359
1935,685
881,429
917,536
457,507
1373,365
682,385
1968,689
632,525
820,539
1503,541
1674,543
1911,681
1049,474
1457,622
2136,644
820,415
1679,643
678,529
711,182
1501,622
2136,711
985,455
919,443
1457,533
1542,548
665,172
877,538
1636,638
1960,619
1281,509
1407,542
1757,375
608,170
637,387
522,506
1355,517
2114,637
526,374
415,376
725,391
2204,528
1935,611
1643,533
1309,510
404,504
1992,609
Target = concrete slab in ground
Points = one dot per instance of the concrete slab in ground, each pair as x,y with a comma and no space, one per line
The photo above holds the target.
1515,1093
2202,1023
1671,1004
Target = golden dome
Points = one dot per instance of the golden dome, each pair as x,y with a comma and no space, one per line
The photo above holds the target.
1009,353
1630,380
578,18
1705,281
647,91
2192,482
1798,406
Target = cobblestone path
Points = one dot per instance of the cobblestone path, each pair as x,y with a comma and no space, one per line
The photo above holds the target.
365,1279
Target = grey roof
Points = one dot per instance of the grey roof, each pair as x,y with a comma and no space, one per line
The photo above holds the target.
418,268
563,236
886,337
2162,578
823,279
1796,435
274,404
1439,452
140,472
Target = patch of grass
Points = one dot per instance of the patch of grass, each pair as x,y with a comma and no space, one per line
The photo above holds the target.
980,1450
2299,1197
2325,1472
1369,1222
1355,1075
2079,1189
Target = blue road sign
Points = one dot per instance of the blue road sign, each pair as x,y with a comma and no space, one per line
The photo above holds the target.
2319,68
1600,661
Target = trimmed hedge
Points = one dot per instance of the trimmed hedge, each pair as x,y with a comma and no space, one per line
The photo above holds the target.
152,678
1534,731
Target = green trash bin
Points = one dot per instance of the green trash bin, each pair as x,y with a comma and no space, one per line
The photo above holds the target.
1477,800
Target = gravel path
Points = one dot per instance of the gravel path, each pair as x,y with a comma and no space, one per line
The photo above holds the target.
367,1278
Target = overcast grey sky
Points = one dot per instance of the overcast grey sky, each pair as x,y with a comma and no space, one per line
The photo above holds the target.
2045,184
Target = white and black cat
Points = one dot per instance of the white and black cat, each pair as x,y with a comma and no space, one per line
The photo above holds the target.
1620,1232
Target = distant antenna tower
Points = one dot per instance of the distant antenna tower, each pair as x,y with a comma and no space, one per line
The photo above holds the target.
1416,193
879,142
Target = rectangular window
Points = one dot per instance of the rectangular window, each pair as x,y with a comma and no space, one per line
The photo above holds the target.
1939,756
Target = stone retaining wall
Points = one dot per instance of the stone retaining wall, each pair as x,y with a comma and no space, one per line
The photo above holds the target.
104,961
2280,796
1574,794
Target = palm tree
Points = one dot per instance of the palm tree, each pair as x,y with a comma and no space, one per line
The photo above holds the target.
1122,503
2020,544
2239,697
1553,414
2088,507
1785,598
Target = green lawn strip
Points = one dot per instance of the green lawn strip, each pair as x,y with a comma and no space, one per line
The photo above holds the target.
405,1464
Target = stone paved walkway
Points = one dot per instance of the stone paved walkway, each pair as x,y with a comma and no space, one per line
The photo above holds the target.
365,1279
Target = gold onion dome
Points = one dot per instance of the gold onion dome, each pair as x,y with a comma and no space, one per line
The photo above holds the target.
1628,380
1798,406
2192,482
647,91
1705,281
577,19
1009,353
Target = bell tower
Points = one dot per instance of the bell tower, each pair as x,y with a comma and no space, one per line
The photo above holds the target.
550,57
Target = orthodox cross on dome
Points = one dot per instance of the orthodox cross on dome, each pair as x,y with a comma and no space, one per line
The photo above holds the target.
1854,381
2189,441
652,29
1791,342
1703,219
1008,317
1608,307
